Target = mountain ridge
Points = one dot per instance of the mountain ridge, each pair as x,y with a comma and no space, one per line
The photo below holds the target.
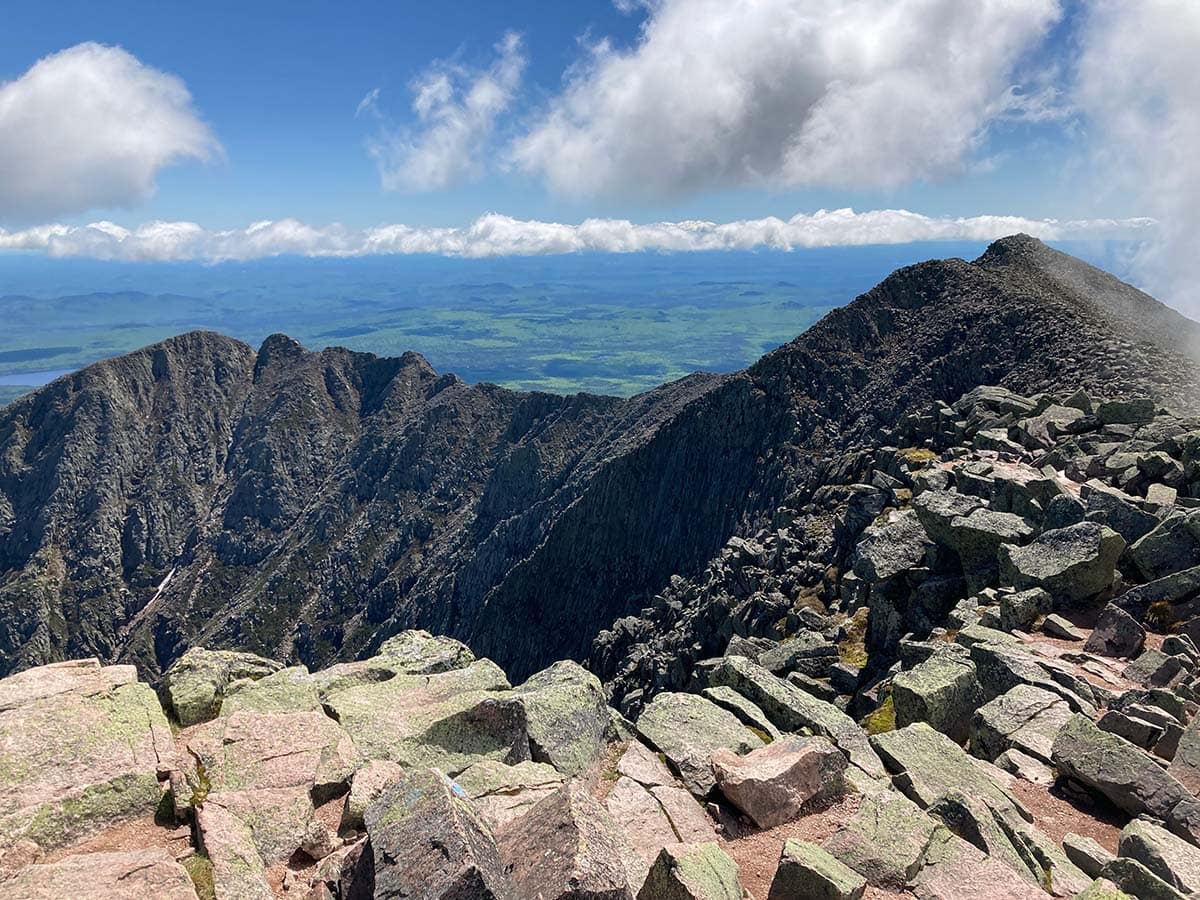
309,504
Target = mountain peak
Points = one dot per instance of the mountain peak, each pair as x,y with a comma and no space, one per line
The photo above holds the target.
1014,244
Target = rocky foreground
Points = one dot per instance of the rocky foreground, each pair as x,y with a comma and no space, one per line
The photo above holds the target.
982,681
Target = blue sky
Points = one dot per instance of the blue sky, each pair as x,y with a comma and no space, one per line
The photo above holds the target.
184,125
279,84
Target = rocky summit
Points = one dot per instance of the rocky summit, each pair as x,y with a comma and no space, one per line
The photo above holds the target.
910,608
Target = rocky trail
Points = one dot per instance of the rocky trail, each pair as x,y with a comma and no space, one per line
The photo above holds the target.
967,668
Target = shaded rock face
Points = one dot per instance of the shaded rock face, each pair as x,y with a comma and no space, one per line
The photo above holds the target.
429,843
567,849
692,872
308,505
806,870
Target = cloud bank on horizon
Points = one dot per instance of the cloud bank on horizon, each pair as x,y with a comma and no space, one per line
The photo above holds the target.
499,235
711,95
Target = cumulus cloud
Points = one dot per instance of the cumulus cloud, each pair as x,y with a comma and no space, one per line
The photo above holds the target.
497,235
91,127
456,111
1138,84
786,93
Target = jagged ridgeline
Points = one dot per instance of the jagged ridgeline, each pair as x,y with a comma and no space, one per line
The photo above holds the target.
308,505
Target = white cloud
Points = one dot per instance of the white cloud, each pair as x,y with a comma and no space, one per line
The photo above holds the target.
91,127
457,111
1138,83
369,104
497,235
786,93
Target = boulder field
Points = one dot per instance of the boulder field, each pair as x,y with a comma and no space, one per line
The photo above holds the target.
982,682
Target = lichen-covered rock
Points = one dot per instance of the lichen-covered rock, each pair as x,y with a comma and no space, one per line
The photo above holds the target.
1108,506
939,776
1153,668
566,713
686,728
1134,410
1135,879
885,840
808,653
806,870
238,870
1172,546
956,870
369,781
747,712
932,766
978,536
692,872
195,684
269,756
1185,766
887,550
287,690
1025,767
1002,668
1171,858
567,848
130,875
449,719
430,844
502,793
1086,853
1025,718
1071,564
1103,889
1019,611
773,784
943,691
936,510
792,709
418,652
81,745
1124,774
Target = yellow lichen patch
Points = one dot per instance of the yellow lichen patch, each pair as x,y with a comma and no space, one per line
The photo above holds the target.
883,719
917,457
200,870
761,735
852,650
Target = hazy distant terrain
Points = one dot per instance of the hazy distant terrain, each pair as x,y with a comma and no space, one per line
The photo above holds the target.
602,323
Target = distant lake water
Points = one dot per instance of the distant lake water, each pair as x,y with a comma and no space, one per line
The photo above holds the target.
34,379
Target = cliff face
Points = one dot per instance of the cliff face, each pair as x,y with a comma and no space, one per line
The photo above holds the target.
308,505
